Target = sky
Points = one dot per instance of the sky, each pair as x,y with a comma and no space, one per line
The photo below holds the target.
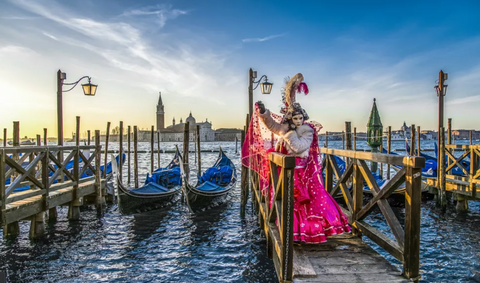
198,53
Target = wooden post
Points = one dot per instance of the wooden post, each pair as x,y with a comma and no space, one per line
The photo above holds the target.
89,138
100,198
471,137
389,148
158,149
199,152
449,131
418,141
195,145
16,135
107,136
186,147
39,140
45,138
413,197
326,138
412,140
52,212
343,140
236,144
381,164
355,138
286,258
77,131
4,137
74,205
152,144
135,156
348,135
244,180
441,170
245,172
120,150
128,155
357,196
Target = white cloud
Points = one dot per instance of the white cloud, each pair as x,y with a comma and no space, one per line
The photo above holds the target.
263,39
163,13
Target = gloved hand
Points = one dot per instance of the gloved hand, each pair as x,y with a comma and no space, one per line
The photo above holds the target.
261,107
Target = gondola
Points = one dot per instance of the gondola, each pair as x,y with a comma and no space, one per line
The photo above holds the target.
213,186
159,190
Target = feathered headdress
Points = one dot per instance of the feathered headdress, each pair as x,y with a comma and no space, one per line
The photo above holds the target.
292,108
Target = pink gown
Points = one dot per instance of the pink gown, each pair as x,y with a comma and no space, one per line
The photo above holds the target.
316,214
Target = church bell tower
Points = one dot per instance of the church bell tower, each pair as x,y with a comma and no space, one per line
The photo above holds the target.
160,113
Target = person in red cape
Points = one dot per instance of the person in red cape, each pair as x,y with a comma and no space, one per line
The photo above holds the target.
316,214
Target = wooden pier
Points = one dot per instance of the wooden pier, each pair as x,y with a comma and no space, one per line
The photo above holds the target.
344,258
51,184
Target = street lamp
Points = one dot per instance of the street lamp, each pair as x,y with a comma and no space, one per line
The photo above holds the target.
89,89
265,87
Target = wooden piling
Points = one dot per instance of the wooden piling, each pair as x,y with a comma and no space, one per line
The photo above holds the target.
449,131
39,140
129,162
13,229
186,143
326,138
471,137
244,186
107,136
389,149
348,135
99,198
419,148
152,144
120,150
236,145
74,205
158,149
343,140
52,212
89,138
442,199
135,156
355,138
412,140
37,224
5,137
45,138
199,151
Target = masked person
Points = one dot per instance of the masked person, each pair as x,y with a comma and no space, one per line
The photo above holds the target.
316,214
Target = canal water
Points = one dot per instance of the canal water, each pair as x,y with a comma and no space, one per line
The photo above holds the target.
216,245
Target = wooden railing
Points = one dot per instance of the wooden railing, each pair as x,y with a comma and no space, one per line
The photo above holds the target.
471,177
406,243
279,238
39,168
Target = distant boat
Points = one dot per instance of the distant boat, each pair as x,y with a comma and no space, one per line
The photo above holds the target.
27,142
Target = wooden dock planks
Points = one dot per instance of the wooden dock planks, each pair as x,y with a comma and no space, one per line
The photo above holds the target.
343,258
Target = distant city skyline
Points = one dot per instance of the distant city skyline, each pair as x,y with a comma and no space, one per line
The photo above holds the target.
197,53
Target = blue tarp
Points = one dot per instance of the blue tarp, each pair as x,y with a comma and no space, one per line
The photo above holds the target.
219,176
167,177
150,188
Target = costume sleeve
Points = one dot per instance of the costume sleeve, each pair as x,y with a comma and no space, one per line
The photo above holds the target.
300,141
272,125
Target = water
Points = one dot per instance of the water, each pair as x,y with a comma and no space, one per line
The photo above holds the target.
173,245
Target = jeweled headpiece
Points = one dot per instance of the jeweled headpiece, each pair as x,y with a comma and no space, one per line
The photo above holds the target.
292,108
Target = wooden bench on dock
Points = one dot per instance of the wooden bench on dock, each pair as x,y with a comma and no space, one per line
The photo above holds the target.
343,258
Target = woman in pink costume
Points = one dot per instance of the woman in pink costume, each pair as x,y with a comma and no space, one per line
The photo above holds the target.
316,214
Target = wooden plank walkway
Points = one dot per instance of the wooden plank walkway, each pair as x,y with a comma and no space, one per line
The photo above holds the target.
344,258
21,206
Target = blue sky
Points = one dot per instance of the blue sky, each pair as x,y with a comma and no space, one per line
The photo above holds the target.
197,53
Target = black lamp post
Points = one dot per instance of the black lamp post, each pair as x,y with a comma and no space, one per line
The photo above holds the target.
89,89
265,87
